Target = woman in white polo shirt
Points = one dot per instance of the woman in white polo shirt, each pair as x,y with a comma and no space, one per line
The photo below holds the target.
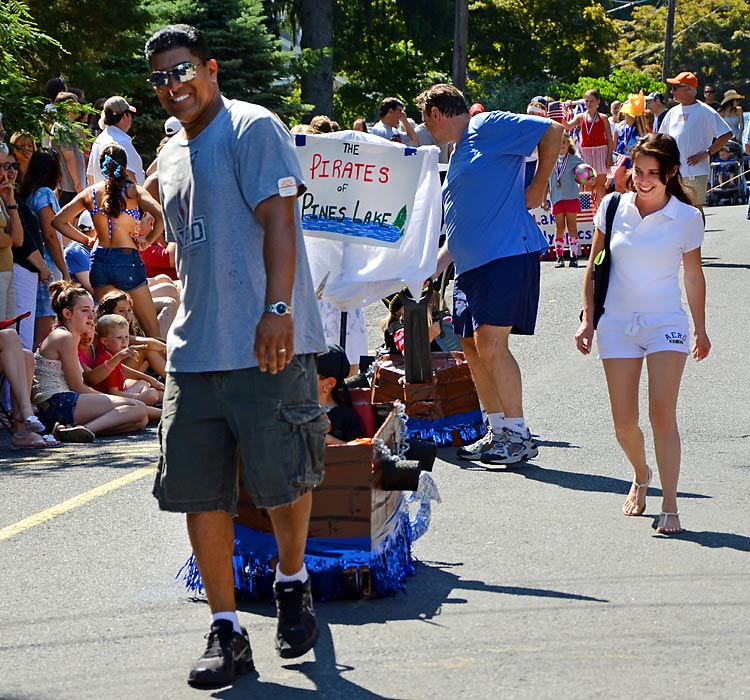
655,230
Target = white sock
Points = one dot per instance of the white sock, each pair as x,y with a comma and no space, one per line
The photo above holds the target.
231,616
301,575
517,425
497,422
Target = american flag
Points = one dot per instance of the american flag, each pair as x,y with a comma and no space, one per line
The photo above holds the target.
587,208
621,158
560,110
555,111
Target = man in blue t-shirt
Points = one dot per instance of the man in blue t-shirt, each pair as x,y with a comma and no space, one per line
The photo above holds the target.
495,245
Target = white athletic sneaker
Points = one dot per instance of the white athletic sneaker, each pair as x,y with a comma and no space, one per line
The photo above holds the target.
474,451
513,448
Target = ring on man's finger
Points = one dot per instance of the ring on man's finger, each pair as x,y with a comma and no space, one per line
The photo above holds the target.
281,350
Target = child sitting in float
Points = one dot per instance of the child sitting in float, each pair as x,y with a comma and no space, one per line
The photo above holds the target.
393,324
333,369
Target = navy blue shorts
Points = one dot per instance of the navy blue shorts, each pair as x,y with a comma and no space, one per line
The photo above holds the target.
503,292
120,267
58,408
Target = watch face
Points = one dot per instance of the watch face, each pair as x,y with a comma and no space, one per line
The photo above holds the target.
280,308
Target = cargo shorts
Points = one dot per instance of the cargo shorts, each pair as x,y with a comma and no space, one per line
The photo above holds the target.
212,420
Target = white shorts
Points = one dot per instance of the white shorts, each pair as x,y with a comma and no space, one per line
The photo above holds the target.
635,335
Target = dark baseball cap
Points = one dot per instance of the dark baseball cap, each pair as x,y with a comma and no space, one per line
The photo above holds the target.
655,96
334,363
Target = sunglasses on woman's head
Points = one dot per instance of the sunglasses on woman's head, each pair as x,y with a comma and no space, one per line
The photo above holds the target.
10,166
182,73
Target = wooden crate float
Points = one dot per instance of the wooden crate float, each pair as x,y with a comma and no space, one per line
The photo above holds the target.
445,410
360,535
350,501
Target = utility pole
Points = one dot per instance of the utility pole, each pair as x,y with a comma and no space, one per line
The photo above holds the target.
666,68
460,40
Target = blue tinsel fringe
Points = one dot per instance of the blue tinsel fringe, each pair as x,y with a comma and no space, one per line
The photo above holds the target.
389,562
469,426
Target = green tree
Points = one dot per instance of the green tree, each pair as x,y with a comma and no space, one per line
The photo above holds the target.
618,85
252,66
712,39
97,47
21,43
527,39
375,56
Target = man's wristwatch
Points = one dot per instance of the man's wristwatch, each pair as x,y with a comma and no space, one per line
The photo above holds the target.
280,308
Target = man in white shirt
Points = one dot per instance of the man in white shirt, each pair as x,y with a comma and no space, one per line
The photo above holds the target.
391,115
116,120
699,131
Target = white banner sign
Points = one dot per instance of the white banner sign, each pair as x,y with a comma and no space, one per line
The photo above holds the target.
357,192
371,215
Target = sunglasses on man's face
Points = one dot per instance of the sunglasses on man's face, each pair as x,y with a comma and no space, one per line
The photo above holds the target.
10,166
709,92
182,73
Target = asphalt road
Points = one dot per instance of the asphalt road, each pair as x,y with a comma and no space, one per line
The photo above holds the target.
531,583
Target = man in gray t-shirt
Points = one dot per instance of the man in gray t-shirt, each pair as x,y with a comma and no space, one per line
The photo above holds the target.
241,375
391,116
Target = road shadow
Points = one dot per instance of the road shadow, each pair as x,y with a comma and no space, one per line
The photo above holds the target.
324,672
575,481
115,452
707,538
434,586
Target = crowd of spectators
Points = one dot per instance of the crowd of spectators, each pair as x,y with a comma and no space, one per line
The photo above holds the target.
79,206
83,268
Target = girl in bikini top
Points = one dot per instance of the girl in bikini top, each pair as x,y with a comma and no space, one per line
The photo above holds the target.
115,206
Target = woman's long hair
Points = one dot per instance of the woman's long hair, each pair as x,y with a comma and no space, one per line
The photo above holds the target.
664,148
43,171
114,163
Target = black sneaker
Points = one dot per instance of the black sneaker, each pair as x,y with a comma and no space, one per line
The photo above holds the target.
227,654
297,629
573,262
560,262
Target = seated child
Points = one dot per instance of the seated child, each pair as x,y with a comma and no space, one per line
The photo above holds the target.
725,165
112,349
333,368
152,352
393,324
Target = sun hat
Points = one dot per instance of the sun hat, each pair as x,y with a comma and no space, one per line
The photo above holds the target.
730,95
628,109
684,78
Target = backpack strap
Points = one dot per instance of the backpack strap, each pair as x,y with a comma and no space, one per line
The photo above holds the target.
614,202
